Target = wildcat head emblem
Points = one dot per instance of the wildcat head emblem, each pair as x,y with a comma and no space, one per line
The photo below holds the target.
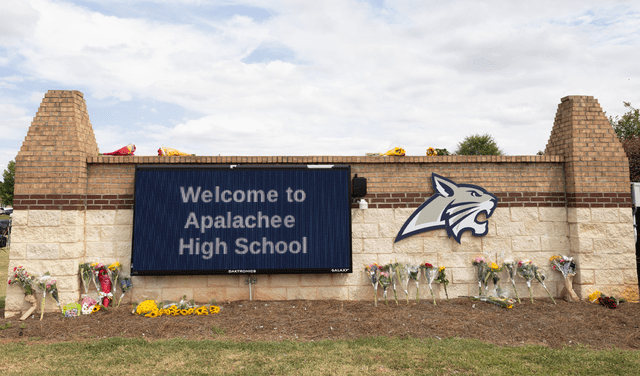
454,207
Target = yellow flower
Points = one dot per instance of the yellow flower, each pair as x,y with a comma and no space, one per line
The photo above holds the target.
190,311
152,314
431,151
146,307
114,266
202,311
96,308
510,306
494,266
184,312
214,309
554,258
440,269
594,296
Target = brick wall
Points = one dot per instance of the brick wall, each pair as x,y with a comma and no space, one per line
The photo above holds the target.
72,206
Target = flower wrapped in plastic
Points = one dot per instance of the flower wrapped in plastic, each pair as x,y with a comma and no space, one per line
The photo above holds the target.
87,305
402,276
567,267
502,302
512,269
86,275
372,274
395,151
385,280
125,285
527,270
430,275
42,285
493,274
114,274
52,288
541,277
125,150
442,279
481,272
414,275
21,277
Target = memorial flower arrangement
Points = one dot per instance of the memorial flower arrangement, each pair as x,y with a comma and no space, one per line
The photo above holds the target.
610,302
541,277
567,267
42,284
149,308
481,272
527,271
87,305
502,302
430,275
372,273
512,269
86,275
414,275
493,274
21,277
125,285
114,273
101,278
442,278
52,288
402,275
385,280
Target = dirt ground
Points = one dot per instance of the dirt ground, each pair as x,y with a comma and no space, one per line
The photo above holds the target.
543,323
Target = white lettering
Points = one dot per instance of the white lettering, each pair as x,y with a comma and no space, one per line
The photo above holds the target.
192,220
289,221
190,195
242,244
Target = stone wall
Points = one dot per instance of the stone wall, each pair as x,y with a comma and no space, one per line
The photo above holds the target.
575,200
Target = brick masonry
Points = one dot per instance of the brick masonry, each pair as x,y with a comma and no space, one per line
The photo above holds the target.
73,205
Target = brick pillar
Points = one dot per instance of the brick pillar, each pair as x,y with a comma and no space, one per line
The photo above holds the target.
50,195
598,193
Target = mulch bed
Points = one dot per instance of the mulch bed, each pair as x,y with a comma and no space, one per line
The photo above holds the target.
543,323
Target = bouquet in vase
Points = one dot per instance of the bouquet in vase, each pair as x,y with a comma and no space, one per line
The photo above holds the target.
414,275
481,272
430,276
385,280
372,273
512,269
442,278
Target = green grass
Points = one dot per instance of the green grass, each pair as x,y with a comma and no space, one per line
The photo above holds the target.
117,356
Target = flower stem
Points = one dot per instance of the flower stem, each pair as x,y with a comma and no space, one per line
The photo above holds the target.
432,296
514,290
530,294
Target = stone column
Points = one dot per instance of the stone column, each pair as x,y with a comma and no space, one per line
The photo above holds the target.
50,196
598,198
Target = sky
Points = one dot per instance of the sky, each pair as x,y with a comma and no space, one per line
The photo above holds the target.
299,77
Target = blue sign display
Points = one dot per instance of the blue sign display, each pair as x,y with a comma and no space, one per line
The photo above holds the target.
241,219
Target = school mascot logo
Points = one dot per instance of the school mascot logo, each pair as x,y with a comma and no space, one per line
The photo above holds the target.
454,207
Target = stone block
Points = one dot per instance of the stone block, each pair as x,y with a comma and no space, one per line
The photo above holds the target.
44,218
71,250
496,245
100,217
20,218
302,293
560,244
630,276
177,294
92,233
509,229
124,217
357,245
591,230
546,229
603,261
625,215
270,293
585,277
333,293
621,230
580,245
523,214
462,289
378,216
18,251
346,279
452,260
401,215
500,215
364,231
578,215
100,250
140,295
224,281
115,233
206,295
123,251
470,245
609,277
315,280
616,246
59,268
463,275
43,251
526,243
553,214
237,293
605,215
439,244
357,216
378,246
71,218
360,293
389,230
409,245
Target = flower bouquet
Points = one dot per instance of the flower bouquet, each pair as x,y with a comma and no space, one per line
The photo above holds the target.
541,277
527,271
114,273
430,276
481,272
442,278
125,285
567,267
52,288
372,273
493,274
148,308
87,305
86,275
414,275
512,269
26,281
402,275
386,279
502,302
101,277
42,284
607,301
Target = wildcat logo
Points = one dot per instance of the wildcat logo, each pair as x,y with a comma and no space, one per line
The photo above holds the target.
454,207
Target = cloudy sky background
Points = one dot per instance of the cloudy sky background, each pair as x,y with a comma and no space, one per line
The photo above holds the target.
299,77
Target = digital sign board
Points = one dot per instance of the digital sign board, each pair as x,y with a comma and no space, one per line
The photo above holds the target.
241,220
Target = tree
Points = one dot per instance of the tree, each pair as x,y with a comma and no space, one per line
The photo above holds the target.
627,126
478,145
6,187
